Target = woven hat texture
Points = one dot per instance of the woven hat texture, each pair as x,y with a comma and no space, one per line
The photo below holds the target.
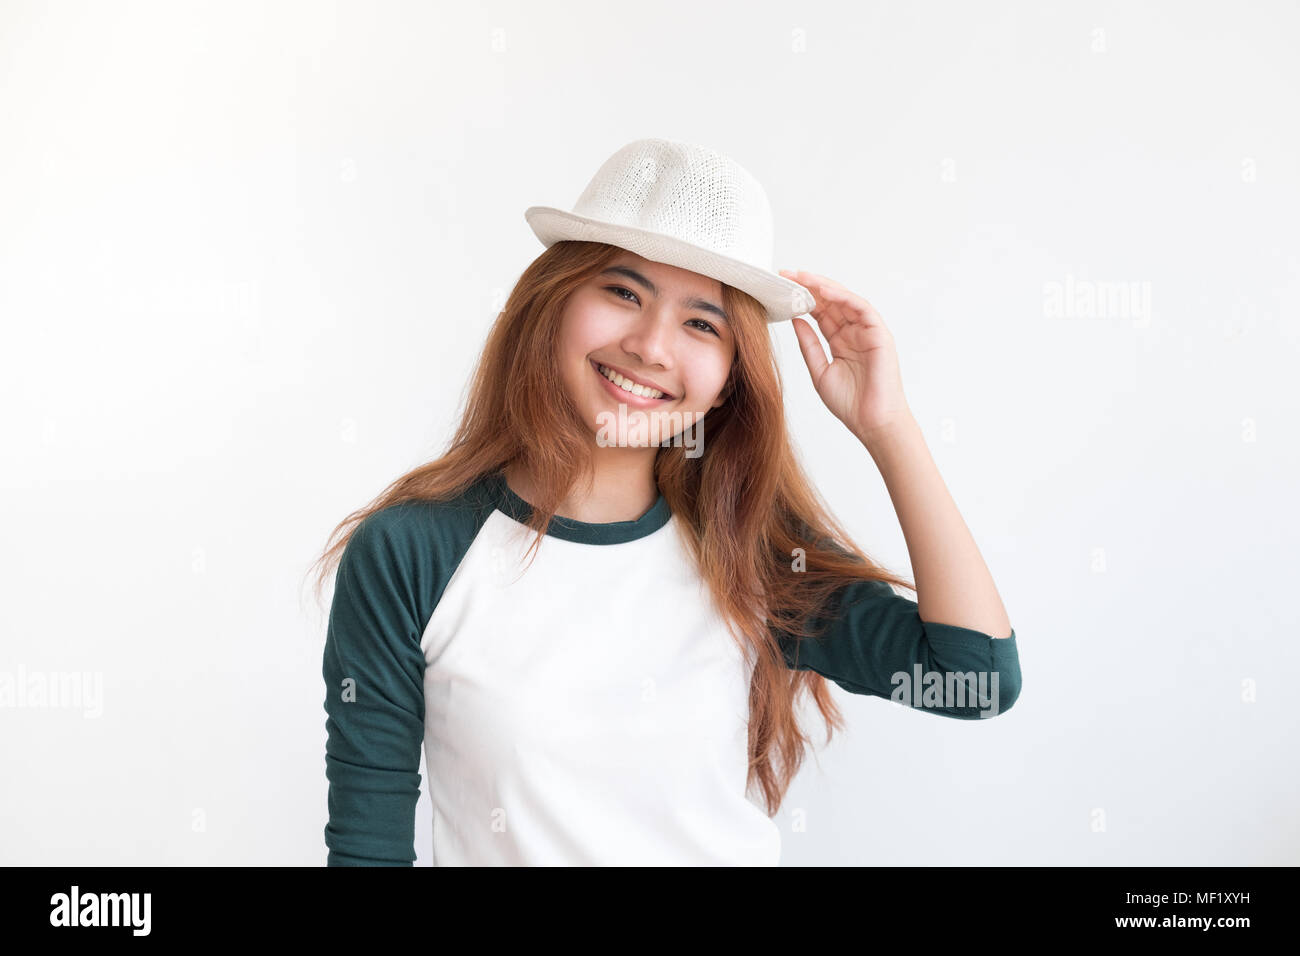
684,205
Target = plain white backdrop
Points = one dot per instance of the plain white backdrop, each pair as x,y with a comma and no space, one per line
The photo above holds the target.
249,253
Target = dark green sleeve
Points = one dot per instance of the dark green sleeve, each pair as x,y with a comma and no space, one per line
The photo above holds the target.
873,635
374,694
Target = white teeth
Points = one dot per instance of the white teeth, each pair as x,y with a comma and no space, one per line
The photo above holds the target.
627,385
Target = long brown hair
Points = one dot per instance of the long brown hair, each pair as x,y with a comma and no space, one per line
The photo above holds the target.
745,506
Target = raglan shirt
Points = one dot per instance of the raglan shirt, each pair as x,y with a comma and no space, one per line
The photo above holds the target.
588,709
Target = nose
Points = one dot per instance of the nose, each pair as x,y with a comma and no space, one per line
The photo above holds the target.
649,337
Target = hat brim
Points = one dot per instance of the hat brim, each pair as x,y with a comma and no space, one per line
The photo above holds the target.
782,298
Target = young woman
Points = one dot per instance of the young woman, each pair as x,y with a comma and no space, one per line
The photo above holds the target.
598,610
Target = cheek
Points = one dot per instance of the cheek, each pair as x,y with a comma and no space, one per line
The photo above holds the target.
585,332
588,313
578,337
706,380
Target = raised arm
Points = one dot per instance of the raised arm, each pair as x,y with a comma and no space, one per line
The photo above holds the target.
862,386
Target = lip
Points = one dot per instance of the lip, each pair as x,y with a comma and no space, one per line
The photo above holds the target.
630,398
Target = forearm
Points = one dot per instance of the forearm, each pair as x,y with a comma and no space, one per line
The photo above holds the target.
953,584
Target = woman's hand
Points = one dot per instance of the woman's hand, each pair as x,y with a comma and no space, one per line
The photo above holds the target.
861,385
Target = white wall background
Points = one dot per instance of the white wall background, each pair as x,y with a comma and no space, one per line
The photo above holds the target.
249,253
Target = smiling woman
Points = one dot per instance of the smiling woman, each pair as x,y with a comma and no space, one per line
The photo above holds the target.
625,689
653,354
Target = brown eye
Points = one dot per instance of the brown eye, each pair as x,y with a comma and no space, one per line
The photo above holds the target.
617,289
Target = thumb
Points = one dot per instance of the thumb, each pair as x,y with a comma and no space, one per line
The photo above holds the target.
813,355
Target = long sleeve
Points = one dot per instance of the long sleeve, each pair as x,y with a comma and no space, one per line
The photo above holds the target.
876,644
374,701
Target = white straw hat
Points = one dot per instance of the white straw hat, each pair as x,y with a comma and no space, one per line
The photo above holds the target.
686,206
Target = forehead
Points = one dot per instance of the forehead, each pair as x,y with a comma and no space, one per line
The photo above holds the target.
662,273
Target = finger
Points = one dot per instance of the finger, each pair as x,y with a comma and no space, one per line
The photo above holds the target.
813,355
855,306
834,308
829,313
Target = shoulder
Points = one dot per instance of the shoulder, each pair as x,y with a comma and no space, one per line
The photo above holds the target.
392,530
422,537
428,517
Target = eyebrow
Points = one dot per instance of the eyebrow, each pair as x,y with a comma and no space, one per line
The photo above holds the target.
691,302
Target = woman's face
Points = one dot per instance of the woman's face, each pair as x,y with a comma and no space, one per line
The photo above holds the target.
655,324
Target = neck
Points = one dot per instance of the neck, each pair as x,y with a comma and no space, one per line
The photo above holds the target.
622,488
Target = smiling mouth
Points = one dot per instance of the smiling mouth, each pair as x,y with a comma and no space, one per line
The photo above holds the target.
621,383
